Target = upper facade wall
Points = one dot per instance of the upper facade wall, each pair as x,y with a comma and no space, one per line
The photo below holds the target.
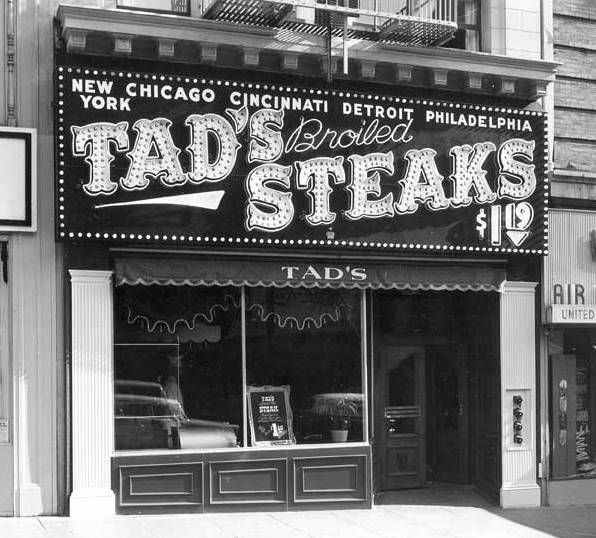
575,105
503,42
508,27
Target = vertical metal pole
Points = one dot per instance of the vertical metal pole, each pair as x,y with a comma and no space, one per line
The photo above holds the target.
345,45
178,361
364,362
11,79
243,333
329,77
376,10
371,325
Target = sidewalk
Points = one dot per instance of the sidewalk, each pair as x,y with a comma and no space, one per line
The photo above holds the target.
384,521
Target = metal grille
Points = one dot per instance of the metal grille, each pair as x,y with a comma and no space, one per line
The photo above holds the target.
412,32
252,12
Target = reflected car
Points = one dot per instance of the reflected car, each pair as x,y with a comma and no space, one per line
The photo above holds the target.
146,419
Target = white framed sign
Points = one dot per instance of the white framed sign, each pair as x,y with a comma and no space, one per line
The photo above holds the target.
572,313
18,157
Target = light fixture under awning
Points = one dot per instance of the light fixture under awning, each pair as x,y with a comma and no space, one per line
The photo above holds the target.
295,273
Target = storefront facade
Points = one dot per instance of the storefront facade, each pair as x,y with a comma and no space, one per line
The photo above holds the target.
284,295
569,375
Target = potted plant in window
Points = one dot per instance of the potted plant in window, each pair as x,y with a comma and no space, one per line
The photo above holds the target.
339,409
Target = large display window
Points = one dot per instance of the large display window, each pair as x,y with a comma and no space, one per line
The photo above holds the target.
309,340
572,355
202,367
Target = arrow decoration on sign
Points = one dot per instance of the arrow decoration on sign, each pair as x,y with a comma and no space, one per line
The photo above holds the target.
205,200
517,237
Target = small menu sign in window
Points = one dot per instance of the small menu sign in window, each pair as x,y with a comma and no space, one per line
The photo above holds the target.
270,415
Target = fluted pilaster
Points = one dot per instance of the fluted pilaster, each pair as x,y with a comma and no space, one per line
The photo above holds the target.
92,393
518,378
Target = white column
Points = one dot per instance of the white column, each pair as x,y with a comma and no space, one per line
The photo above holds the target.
92,394
518,378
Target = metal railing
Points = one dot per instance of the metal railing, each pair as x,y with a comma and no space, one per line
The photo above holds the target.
441,10
436,10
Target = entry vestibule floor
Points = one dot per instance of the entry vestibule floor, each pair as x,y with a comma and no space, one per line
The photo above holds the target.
435,495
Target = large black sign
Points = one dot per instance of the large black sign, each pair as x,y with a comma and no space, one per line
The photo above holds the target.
148,157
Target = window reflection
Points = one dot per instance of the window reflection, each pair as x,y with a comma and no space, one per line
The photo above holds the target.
309,340
177,367
178,363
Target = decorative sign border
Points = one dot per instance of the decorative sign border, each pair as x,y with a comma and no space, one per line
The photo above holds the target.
66,232
29,137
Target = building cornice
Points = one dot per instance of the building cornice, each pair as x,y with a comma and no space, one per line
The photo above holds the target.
478,62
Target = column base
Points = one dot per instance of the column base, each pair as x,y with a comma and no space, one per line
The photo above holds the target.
520,496
92,503
29,500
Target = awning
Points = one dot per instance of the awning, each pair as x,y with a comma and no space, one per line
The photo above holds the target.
295,273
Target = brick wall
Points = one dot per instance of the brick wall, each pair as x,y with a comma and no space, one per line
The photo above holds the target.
575,88
571,124
578,8
577,64
574,155
574,93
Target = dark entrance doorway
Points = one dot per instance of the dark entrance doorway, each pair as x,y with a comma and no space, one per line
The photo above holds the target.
448,414
436,380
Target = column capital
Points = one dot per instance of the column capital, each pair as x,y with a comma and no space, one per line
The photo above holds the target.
510,286
83,275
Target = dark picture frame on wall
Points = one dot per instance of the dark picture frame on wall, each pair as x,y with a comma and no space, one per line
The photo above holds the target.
270,415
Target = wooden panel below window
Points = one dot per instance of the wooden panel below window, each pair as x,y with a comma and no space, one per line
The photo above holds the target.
329,479
260,481
161,484
238,480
